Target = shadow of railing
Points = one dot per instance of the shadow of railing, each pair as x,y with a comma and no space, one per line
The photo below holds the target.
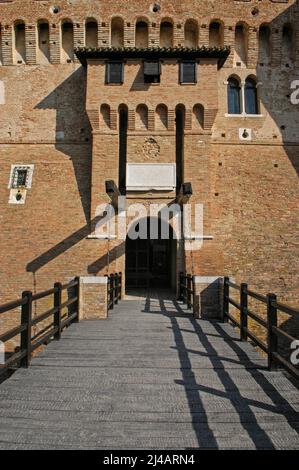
241,406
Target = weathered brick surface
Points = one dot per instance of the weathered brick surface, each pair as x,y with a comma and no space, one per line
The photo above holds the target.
249,189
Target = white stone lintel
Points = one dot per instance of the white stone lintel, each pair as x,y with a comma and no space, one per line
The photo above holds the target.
207,279
94,280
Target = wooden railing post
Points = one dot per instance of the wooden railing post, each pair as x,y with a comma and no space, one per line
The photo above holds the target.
272,321
108,293
189,287
180,292
120,286
112,284
57,305
116,288
243,312
225,307
194,302
77,294
26,319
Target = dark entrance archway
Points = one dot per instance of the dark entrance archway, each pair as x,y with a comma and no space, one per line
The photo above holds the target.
151,262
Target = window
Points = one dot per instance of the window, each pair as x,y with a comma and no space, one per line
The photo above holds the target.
21,176
188,72
152,72
234,96
251,104
114,73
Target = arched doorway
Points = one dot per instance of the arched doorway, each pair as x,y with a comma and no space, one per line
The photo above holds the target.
151,255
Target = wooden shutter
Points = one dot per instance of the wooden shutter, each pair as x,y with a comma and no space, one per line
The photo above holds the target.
188,72
151,68
114,72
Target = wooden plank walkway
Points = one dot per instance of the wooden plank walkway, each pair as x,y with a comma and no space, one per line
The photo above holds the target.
149,377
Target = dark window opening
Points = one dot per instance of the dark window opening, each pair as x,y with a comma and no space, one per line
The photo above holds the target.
20,178
251,103
114,73
234,96
152,72
123,131
188,72
180,127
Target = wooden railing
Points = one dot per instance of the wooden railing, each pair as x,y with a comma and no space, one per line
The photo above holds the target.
114,289
53,330
270,323
187,290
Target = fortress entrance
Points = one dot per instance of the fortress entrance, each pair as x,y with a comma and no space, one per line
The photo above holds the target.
151,262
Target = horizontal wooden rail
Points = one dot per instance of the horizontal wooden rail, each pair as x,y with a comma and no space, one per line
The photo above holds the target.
28,341
270,324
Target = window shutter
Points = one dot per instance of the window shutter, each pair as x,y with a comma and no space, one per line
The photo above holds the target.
151,68
115,72
188,72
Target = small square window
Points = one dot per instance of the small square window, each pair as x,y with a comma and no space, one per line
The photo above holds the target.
188,72
152,71
20,177
114,73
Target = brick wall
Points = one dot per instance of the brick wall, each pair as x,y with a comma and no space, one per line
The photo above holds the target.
249,189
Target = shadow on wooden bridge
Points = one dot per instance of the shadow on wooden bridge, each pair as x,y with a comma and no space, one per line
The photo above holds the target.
149,377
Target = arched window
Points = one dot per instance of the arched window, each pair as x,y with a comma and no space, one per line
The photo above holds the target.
241,45
264,45
142,117
251,102
105,116
234,96
43,54
287,44
215,34
161,117
117,32
19,43
91,33
191,34
141,34
67,36
166,34
198,116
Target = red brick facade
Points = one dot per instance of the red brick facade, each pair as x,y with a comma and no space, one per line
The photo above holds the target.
53,117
